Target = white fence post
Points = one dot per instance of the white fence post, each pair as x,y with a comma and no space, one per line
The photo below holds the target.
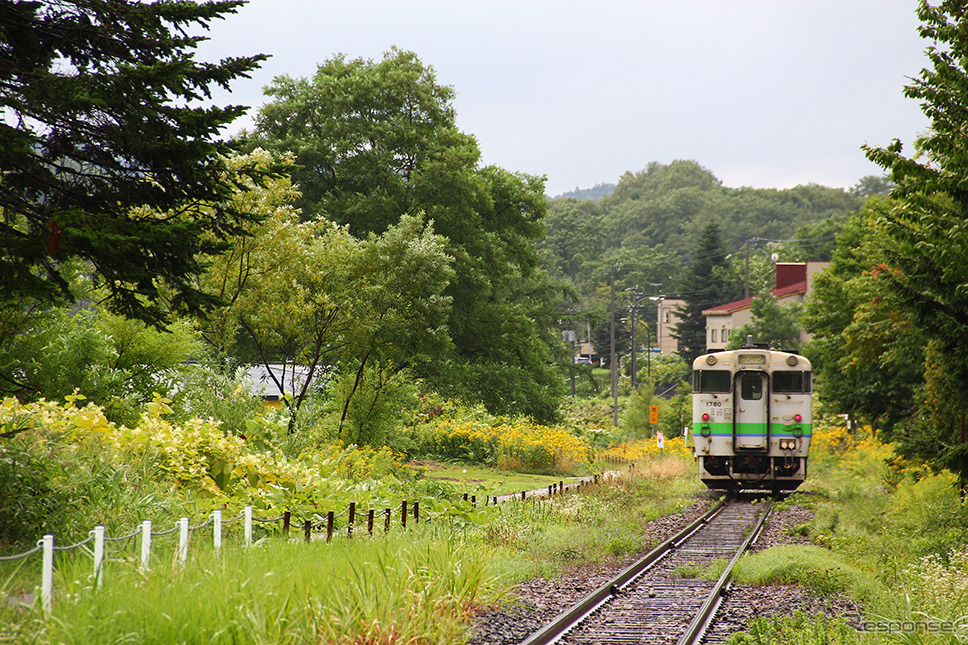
217,522
145,545
183,541
248,526
47,573
98,556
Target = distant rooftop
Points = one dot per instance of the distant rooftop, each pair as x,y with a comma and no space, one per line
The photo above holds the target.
262,383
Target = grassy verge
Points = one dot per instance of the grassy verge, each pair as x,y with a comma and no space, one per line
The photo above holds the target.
410,587
480,481
892,538
419,585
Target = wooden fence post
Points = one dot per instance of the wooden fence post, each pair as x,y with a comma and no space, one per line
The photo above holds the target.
286,521
352,519
329,526
416,512
369,522
308,530
403,514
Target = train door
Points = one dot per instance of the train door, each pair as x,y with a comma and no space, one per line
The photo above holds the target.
751,411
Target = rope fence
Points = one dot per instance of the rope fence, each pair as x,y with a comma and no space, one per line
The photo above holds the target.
326,527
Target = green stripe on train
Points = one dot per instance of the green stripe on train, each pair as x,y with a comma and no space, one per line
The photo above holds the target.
751,430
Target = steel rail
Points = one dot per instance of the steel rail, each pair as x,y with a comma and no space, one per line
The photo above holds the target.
567,619
704,617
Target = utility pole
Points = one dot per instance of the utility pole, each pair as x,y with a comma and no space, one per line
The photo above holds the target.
633,304
611,361
746,282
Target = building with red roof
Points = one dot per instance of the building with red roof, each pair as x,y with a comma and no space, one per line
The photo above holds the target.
792,286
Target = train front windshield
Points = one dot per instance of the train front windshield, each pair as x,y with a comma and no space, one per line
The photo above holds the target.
712,381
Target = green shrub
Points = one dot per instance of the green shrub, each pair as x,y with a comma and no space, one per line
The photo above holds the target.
30,506
51,483
799,629
820,570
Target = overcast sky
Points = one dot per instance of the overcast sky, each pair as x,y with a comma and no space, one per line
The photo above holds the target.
763,93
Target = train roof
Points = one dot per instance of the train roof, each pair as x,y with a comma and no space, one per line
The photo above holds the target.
778,358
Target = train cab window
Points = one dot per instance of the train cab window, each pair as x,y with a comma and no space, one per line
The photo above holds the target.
751,386
711,381
791,382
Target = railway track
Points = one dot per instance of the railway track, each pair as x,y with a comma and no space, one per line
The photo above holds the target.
657,599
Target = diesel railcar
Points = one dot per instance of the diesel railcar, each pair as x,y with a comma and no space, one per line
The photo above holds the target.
751,418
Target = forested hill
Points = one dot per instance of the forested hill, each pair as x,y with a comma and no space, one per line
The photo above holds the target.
595,192
655,217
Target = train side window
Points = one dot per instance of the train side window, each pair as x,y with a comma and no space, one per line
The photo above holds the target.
711,381
791,382
751,386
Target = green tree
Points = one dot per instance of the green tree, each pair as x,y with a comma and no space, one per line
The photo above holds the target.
702,286
376,141
372,139
635,415
661,205
925,239
867,356
115,362
310,297
772,322
575,238
103,128
872,185
398,312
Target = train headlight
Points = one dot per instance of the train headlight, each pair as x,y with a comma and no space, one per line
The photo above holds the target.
798,418
791,360
710,360
705,416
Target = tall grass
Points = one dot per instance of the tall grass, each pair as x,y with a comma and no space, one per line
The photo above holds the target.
544,538
402,588
891,537
421,585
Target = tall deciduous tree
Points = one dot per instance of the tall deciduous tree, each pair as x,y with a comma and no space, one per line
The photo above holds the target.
376,141
311,296
102,129
926,232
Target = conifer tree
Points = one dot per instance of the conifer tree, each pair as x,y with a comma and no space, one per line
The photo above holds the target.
105,149
925,234
702,286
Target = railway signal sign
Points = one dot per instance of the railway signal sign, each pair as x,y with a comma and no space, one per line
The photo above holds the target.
653,414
